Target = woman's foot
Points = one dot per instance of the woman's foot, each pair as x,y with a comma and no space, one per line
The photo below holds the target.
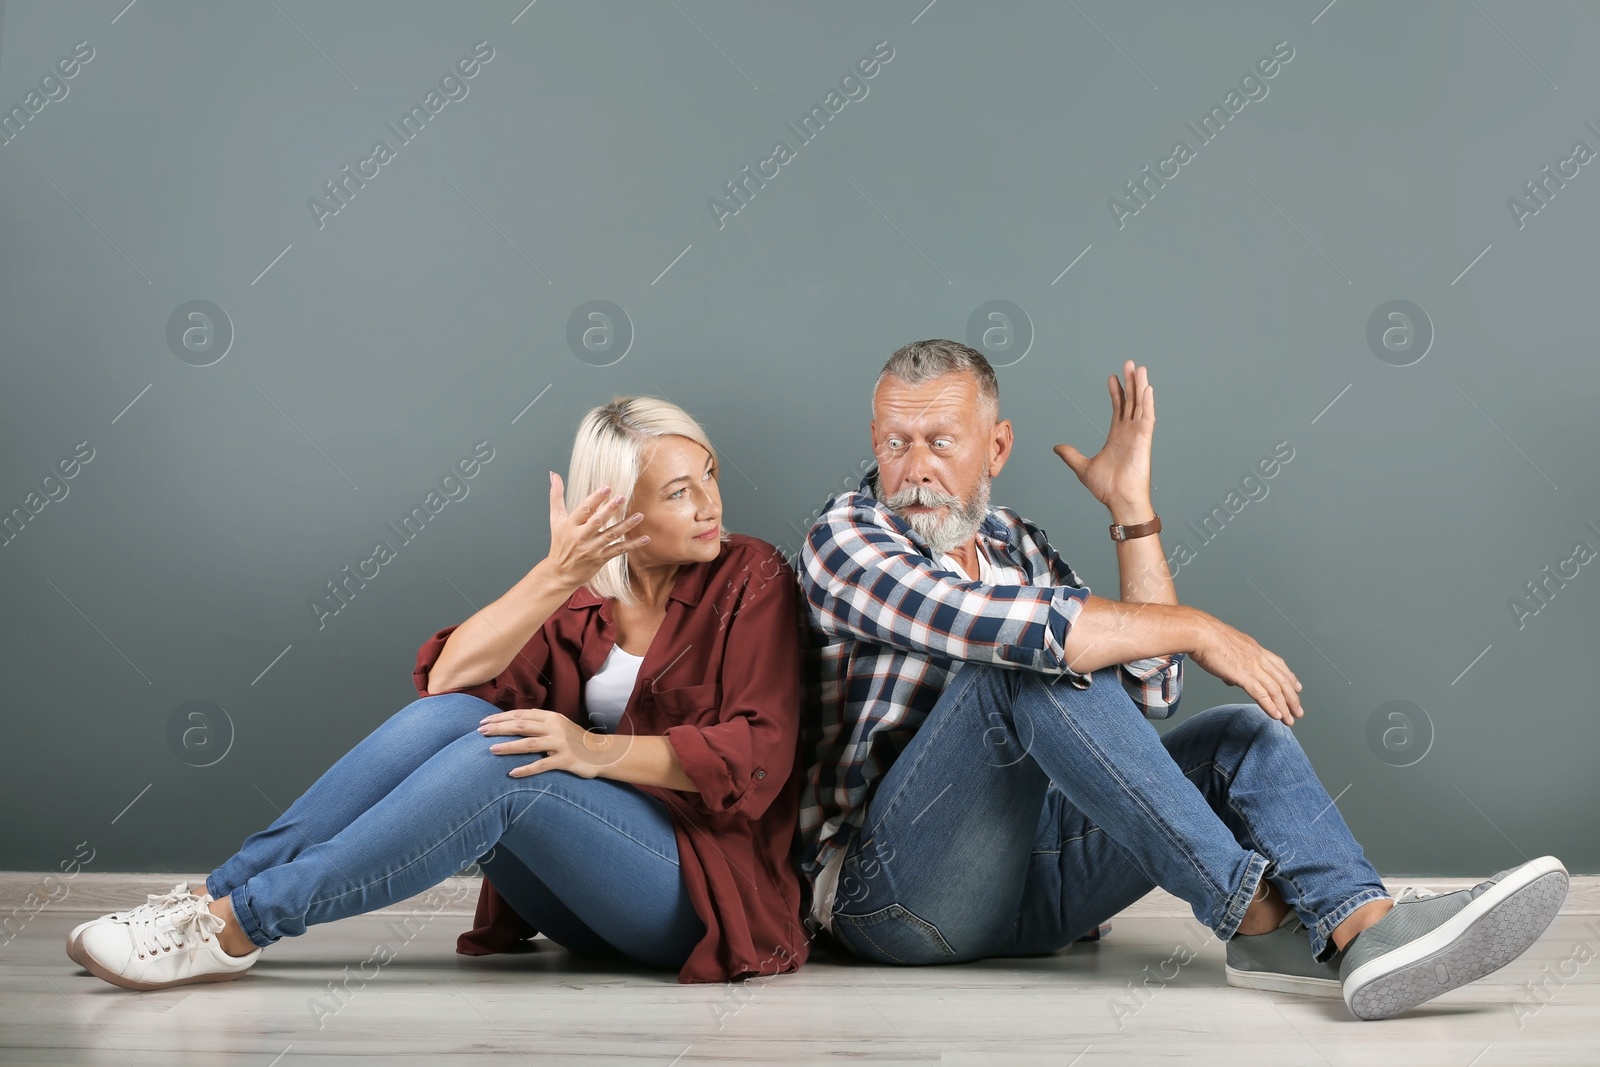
194,939
232,938
154,902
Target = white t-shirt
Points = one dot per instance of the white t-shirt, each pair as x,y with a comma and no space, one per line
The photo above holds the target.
828,877
606,693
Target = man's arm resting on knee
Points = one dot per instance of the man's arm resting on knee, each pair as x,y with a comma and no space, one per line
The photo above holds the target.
1110,631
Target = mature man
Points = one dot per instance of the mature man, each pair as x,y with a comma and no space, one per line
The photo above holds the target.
982,779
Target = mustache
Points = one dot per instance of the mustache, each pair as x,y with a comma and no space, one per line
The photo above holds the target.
924,496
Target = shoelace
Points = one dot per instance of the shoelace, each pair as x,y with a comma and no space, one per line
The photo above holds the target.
153,903
1414,892
158,931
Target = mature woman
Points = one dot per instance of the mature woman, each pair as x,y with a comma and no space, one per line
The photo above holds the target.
612,740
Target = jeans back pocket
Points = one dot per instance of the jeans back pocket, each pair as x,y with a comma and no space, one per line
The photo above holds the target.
892,935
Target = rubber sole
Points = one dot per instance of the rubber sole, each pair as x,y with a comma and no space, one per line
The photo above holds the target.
75,937
1480,939
94,968
74,953
1284,983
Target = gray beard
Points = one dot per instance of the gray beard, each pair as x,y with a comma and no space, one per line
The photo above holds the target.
955,528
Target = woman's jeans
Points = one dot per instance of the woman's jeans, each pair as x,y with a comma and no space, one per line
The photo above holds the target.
1025,811
590,863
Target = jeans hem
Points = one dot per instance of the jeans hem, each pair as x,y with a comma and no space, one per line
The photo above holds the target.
247,919
1240,902
1322,934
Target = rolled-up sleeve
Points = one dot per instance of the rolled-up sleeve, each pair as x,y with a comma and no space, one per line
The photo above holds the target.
1155,684
744,758
869,582
515,687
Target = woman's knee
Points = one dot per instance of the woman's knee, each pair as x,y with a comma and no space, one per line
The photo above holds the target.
443,717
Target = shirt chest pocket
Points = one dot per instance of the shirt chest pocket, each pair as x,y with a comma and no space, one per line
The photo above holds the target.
686,703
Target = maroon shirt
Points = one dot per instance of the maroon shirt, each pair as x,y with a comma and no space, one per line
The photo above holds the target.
721,680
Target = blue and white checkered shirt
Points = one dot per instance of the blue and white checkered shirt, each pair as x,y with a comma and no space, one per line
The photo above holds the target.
887,628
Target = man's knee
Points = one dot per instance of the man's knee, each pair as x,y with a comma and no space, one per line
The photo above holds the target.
1251,722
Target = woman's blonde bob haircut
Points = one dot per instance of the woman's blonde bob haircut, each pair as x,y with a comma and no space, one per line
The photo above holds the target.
609,450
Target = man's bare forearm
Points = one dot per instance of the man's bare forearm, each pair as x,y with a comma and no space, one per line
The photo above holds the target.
1141,565
1109,631
484,645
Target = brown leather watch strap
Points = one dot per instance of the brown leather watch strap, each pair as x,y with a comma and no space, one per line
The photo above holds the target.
1141,529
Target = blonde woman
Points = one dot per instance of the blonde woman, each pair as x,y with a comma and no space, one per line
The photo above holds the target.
612,740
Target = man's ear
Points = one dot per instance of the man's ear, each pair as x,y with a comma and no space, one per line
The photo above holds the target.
1000,447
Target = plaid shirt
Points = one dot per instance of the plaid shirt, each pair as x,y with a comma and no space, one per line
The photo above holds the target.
888,627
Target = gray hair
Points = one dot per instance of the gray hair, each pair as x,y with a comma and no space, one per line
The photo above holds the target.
923,361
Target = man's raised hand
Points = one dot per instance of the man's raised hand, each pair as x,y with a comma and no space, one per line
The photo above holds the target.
1120,472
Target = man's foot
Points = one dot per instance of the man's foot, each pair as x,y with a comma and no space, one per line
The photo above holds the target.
1281,961
174,945
1432,943
155,902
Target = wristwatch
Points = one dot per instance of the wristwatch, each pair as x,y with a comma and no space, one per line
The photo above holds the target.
1140,529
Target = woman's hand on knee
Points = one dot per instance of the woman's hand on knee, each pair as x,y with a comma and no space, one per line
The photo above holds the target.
566,745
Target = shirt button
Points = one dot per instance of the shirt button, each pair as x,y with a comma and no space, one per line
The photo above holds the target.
761,774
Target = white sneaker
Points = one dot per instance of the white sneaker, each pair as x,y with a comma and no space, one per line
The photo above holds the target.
162,947
155,901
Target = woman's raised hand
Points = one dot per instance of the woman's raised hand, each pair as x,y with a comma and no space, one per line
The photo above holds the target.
583,541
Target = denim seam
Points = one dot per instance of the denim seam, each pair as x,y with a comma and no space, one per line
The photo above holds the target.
1111,770
1060,844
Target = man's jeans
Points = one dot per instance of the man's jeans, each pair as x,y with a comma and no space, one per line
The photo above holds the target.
590,863
1025,811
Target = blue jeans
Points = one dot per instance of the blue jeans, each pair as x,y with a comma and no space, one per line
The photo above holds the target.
590,863
1025,811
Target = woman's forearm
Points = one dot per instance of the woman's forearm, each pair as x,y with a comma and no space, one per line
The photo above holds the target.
642,760
483,646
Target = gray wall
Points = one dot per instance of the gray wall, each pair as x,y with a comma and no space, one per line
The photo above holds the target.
343,367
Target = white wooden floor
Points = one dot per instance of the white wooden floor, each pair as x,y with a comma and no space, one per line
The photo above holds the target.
431,1006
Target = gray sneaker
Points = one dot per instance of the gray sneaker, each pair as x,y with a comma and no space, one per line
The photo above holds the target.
1281,961
1431,943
